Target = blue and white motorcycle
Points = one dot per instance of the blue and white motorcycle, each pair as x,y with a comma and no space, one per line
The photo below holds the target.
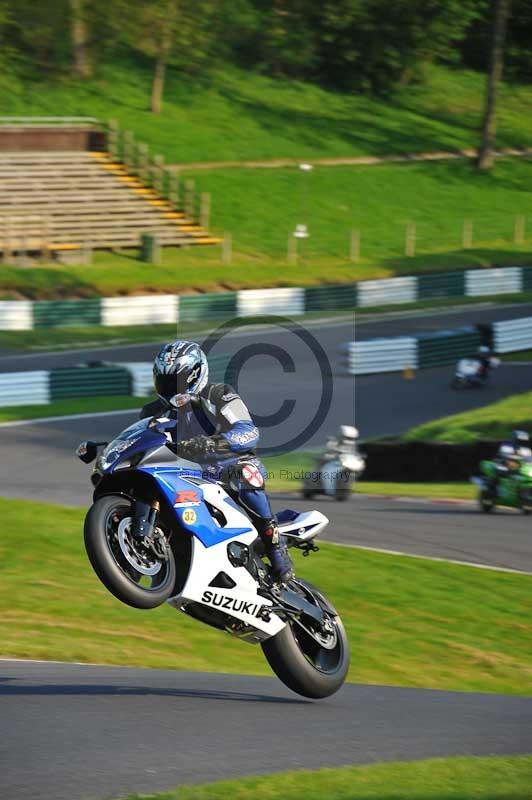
161,529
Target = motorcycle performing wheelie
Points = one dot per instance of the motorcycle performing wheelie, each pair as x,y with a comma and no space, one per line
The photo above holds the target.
162,528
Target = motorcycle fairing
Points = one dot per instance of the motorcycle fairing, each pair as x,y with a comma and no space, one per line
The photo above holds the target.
201,524
242,603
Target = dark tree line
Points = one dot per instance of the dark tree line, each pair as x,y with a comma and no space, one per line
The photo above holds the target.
369,46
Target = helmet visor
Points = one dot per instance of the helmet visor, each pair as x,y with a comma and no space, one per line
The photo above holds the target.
169,385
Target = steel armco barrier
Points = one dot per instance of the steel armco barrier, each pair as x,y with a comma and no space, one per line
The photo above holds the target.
24,388
512,335
378,355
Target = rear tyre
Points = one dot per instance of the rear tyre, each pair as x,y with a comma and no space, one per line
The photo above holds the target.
525,499
456,383
313,664
134,574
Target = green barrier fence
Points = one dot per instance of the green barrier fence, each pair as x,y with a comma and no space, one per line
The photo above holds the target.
446,347
446,284
66,313
221,305
322,298
89,382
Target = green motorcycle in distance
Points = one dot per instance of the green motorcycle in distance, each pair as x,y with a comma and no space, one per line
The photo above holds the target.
513,489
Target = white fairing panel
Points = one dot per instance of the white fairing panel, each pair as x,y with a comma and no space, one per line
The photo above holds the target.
467,367
242,601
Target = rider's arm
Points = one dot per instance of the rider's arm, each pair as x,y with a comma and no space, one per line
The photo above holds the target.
236,428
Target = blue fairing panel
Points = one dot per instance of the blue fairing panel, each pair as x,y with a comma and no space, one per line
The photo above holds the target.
173,482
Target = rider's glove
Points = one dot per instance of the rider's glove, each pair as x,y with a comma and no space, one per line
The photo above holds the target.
200,448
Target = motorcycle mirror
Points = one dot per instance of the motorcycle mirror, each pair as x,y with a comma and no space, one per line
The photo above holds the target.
87,451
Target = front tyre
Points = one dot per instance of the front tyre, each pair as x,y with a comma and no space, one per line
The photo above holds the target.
313,663
486,502
136,574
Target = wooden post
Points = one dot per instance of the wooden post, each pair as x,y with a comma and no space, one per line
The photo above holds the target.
227,248
354,247
158,175
410,243
189,198
519,229
129,147
7,240
173,188
205,210
45,249
291,250
143,151
467,234
112,138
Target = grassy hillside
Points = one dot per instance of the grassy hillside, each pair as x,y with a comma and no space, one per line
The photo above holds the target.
495,421
235,115
238,115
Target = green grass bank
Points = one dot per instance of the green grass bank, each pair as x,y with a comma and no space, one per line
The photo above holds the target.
494,421
460,778
411,622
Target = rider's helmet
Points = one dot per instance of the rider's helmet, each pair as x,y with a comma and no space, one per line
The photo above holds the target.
179,368
520,439
483,350
347,433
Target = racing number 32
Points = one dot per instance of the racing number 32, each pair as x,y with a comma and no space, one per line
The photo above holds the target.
189,516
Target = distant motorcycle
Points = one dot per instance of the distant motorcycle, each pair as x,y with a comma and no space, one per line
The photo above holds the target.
334,477
513,490
470,373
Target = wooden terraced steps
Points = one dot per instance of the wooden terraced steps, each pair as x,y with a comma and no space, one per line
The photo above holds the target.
69,200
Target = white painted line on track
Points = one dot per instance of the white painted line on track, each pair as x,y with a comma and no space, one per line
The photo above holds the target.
66,417
429,558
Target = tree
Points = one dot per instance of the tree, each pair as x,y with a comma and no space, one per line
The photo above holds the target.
489,124
81,63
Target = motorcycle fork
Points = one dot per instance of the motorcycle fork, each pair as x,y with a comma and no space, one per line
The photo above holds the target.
144,519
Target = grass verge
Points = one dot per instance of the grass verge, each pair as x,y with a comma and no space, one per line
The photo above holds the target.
495,421
61,408
457,490
458,778
411,622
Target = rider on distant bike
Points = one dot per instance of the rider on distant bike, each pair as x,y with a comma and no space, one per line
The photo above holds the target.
510,456
215,429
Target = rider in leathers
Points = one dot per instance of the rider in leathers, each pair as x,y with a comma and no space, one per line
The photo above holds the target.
215,429
509,457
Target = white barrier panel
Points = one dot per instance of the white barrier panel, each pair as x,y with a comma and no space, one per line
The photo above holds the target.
253,302
514,334
506,280
379,355
147,310
385,292
24,388
141,377
16,315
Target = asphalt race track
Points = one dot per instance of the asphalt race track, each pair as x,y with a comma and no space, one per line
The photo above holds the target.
94,731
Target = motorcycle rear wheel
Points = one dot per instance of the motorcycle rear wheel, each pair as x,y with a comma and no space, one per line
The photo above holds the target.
114,556
525,499
307,666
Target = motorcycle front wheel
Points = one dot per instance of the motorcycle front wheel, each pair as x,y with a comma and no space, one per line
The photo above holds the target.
313,663
136,574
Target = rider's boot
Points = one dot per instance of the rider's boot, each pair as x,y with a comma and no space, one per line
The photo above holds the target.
277,552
